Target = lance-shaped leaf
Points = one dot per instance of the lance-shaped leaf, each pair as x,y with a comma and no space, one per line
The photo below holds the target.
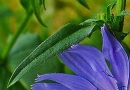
36,9
83,2
61,40
26,5
43,2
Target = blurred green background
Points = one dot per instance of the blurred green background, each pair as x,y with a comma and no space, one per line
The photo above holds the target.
57,13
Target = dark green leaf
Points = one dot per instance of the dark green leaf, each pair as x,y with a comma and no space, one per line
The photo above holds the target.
26,4
83,2
109,16
92,21
108,13
36,9
42,2
61,40
25,44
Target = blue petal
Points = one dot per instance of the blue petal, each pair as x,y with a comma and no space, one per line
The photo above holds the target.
128,87
48,86
88,62
115,54
70,81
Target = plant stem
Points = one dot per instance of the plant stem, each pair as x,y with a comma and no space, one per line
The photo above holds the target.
120,6
15,36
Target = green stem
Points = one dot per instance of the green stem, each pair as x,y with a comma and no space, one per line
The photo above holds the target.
120,6
15,36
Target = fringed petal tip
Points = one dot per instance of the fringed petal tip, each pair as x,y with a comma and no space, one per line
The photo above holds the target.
38,75
38,79
74,46
32,87
37,86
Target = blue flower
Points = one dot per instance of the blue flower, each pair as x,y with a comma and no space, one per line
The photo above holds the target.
89,65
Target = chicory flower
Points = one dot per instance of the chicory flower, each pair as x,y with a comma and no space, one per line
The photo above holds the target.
89,65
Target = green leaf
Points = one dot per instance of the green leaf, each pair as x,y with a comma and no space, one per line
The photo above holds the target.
109,16
92,21
124,13
25,44
65,37
108,13
83,2
36,9
42,2
26,5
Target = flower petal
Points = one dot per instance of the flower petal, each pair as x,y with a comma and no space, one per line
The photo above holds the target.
48,86
128,87
116,55
88,62
70,81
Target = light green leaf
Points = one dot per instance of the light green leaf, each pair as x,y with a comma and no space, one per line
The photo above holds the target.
36,9
65,37
83,2
124,13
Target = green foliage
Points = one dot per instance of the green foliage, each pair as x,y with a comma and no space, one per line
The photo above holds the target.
26,4
4,76
36,8
83,2
61,40
5,13
42,2
18,52
112,20
14,38
24,52
124,13
21,50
